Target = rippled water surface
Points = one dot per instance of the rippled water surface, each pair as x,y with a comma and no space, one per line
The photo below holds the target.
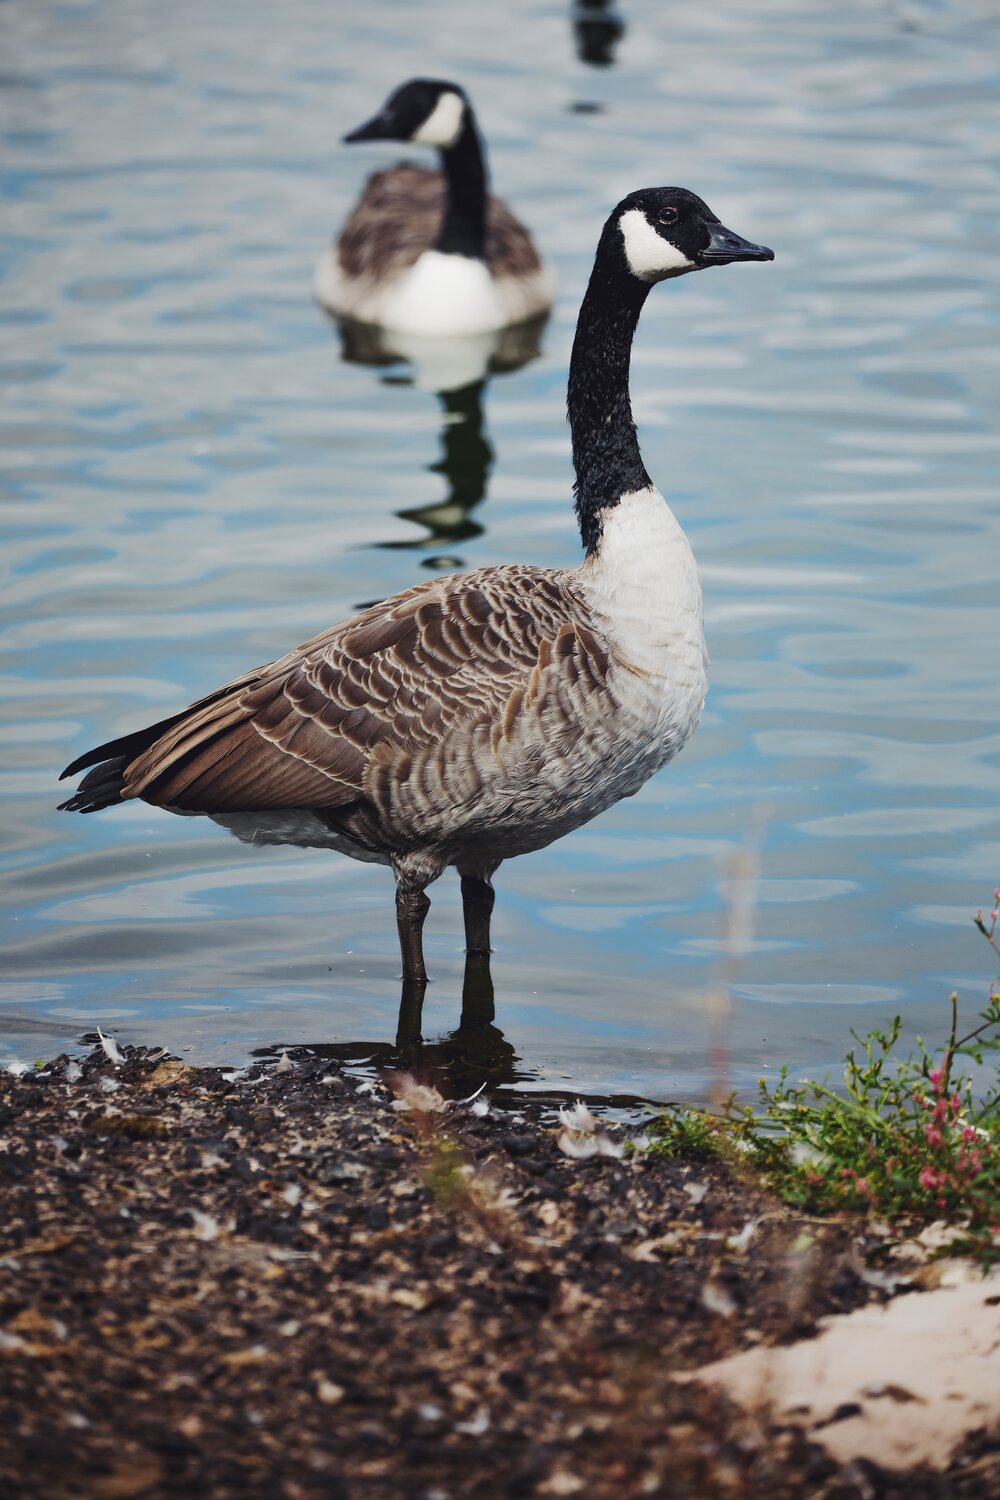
195,479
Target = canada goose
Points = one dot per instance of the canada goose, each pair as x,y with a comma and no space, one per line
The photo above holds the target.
432,251
479,715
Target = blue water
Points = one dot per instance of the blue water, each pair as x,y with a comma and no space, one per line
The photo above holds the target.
195,480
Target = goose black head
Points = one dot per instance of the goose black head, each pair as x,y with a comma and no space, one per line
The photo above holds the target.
668,231
427,111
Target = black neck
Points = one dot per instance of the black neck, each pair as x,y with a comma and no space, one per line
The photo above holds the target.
463,229
606,453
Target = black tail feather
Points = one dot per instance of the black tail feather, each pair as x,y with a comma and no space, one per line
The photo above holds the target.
101,787
128,746
104,785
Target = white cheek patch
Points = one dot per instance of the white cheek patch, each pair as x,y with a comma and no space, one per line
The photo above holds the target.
649,255
443,125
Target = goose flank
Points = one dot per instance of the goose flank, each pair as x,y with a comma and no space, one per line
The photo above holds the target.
427,251
481,715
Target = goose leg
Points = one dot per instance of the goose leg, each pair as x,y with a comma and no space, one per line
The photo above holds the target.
478,897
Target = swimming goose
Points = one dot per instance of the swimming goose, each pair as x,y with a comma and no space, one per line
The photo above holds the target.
432,251
480,715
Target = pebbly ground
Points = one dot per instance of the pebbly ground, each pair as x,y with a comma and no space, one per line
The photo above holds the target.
291,1282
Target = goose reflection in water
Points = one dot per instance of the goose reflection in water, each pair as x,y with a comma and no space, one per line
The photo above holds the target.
457,370
474,1058
476,1055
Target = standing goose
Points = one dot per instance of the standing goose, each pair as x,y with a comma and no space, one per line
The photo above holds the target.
432,252
480,715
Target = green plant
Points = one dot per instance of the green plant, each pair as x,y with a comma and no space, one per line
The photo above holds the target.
691,1134
905,1139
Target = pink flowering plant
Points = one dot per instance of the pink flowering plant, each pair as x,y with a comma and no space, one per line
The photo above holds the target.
906,1140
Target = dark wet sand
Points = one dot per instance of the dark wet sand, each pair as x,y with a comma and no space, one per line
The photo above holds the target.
280,1285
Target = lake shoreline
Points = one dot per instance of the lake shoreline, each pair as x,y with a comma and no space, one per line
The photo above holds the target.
290,1281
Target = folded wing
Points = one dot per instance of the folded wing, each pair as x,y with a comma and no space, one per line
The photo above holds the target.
451,662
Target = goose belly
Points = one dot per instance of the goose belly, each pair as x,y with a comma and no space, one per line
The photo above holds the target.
297,826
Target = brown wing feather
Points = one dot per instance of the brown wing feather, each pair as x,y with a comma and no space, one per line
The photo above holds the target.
398,217
509,250
345,718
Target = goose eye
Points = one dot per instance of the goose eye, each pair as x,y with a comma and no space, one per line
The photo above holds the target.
668,215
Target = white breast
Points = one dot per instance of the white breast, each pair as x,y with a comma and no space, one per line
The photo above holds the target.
439,296
442,295
644,589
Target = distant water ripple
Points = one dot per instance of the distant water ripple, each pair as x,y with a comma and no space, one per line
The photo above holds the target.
193,480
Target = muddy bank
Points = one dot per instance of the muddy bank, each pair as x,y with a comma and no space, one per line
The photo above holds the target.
282,1283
